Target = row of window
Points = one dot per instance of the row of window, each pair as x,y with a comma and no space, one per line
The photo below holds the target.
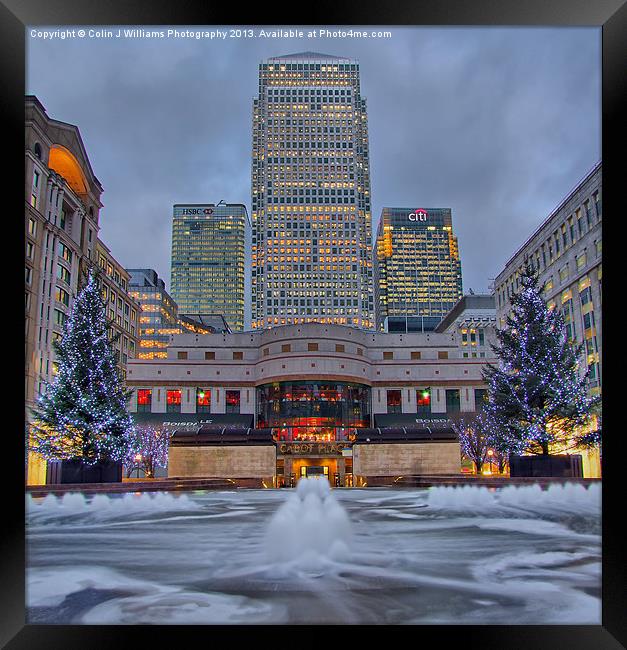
312,347
111,272
423,400
173,400
564,236
232,397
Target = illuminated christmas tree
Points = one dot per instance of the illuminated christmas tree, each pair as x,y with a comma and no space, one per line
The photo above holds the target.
473,438
537,395
83,414
148,449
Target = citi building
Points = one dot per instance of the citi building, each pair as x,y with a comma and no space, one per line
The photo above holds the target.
311,218
418,275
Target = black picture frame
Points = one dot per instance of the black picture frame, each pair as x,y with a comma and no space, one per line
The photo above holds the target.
611,15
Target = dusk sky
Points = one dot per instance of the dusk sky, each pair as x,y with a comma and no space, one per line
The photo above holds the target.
498,124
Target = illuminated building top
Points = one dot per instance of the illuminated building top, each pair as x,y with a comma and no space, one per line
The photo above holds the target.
311,194
417,264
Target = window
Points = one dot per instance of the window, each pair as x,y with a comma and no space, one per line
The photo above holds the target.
339,348
173,401
266,352
394,401
232,401
238,356
452,400
29,275
481,397
581,261
63,274
59,317
423,401
286,348
312,347
415,354
597,203
442,354
32,226
585,296
210,356
65,252
62,296
388,355
181,355
203,400
144,400
564,273
588,320
34,197
360,352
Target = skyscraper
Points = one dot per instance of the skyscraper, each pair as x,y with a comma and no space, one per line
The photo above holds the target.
209,247
417,267
312,232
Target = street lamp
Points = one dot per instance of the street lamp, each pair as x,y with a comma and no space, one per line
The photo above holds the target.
490,454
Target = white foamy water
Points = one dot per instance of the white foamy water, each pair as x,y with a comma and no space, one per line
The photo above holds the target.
316,555
309,526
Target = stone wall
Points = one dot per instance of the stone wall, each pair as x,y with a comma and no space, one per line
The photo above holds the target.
406,458
223,461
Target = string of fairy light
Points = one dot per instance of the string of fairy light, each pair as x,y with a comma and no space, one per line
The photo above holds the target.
83,413
537,392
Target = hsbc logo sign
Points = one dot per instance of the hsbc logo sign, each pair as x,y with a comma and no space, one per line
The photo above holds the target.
195,211
420,214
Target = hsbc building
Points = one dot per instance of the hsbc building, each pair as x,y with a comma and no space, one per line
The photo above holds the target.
210,245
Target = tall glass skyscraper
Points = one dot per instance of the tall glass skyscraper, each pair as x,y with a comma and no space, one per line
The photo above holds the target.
209,247
312,232
418,272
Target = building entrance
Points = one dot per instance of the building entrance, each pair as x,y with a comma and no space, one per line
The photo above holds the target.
314,471
298,468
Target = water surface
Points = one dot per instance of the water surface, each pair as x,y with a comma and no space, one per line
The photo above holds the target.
468,555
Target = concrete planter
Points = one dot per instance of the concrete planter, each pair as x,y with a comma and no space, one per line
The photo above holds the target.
74,471
566,466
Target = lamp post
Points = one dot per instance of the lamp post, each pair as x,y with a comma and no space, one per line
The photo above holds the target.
490,454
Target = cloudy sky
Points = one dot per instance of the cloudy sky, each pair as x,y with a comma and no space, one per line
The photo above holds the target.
498,124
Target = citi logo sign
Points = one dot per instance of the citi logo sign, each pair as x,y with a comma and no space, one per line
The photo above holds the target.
418,215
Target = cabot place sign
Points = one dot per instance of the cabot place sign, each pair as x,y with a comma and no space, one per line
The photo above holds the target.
313,447
419,214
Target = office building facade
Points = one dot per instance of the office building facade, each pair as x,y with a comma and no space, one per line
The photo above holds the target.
62,213
317,388
472,322
311,213
566,251
210,244
122,310
159,318
417,268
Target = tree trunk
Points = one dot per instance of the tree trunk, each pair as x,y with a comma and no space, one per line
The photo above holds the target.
479,466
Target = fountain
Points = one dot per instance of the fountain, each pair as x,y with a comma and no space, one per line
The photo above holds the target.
443,555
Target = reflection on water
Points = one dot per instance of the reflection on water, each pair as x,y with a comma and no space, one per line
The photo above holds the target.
315,555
